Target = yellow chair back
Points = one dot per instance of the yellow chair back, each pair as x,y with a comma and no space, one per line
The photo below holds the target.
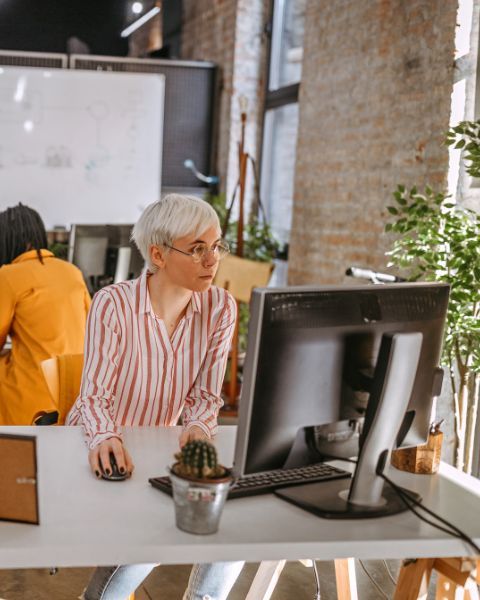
63,375
240,275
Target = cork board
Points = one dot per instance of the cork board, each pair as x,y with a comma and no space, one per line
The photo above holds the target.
18,481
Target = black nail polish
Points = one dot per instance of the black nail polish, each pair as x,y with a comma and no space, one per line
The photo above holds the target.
122,470
108,472
97,473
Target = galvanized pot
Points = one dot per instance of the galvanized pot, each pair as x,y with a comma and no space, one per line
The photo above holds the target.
199,502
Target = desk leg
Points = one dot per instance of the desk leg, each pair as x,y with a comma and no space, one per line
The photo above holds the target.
346,580
265,580
413,579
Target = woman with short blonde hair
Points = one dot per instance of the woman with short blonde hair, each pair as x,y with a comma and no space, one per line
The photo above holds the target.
156,350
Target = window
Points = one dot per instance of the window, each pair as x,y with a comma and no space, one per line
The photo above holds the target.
281,114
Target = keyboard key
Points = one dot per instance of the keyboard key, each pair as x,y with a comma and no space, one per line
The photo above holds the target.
267,482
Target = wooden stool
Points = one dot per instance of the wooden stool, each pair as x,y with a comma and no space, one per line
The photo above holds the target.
457,579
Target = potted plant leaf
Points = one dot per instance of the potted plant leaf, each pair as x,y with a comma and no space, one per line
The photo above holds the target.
200,487
438,240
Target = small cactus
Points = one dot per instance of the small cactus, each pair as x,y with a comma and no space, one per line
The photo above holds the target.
198,460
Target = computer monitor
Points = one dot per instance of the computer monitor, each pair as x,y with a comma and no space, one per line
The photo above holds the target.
104,254
354,370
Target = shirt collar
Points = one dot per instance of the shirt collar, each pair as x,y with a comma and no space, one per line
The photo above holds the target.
31,254
144,305
193,305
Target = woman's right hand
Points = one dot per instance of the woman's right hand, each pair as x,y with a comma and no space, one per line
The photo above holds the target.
99,457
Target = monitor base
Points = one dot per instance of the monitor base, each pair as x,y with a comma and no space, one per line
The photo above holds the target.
324,500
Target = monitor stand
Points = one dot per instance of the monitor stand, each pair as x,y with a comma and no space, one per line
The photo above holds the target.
391,390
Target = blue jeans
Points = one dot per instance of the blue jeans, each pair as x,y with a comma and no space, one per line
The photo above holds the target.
207,581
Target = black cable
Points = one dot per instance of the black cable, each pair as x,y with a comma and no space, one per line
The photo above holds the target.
408,499
409,502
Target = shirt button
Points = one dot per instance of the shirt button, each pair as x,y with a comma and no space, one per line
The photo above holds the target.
207,597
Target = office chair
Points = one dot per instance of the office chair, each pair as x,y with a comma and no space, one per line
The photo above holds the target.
62,375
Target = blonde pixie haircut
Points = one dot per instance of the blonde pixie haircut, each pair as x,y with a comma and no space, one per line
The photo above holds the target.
172,217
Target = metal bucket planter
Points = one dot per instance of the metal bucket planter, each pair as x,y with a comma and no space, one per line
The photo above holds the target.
199,502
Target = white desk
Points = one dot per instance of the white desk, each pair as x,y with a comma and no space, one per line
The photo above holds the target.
84,521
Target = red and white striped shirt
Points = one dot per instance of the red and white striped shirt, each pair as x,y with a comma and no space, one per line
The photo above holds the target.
134,374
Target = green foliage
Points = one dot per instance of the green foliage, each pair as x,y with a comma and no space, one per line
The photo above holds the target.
437,240
466,135
198,460
259,242
59,249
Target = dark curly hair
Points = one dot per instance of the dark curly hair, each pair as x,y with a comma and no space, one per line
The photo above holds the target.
21,229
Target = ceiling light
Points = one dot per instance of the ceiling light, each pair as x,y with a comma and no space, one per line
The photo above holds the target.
139,22
137,8
20,89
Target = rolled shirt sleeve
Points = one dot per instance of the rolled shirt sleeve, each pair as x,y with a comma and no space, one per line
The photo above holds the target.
204,400
96,400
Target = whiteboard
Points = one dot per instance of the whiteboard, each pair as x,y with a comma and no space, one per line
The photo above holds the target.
80,146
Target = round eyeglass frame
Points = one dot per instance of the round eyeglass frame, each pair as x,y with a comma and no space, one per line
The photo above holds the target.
220,250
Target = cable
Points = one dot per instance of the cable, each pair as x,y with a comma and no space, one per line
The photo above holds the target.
392,578
317,580
373,580
409,502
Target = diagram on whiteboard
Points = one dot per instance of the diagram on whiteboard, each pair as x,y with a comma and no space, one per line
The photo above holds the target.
58,157
80,146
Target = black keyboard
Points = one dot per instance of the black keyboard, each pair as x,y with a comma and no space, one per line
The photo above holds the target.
268,481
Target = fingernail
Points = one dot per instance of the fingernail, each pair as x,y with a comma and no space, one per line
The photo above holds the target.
97,473
122,470
108,472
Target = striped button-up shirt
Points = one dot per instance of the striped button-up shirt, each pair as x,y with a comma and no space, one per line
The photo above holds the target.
135,374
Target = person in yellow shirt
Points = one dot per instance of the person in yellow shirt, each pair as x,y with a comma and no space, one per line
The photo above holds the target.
43,308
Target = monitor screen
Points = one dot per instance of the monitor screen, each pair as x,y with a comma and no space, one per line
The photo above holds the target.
104,254
311,360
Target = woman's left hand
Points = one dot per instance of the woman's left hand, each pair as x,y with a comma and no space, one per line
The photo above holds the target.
193,433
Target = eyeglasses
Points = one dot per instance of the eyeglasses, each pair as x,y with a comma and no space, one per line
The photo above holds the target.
199,252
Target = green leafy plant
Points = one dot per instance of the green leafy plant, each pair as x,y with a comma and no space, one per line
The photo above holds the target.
198,460
259,242
438,240
59,249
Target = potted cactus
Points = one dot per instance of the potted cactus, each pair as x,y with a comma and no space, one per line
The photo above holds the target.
200,487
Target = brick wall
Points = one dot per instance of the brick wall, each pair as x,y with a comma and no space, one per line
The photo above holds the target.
208,33
374,101
230,33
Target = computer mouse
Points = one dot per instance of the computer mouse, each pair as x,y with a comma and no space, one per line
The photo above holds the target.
115,474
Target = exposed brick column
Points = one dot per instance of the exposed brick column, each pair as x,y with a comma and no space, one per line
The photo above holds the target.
374,103
208,33
230,33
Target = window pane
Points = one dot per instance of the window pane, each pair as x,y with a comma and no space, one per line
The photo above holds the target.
278,167
287,43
